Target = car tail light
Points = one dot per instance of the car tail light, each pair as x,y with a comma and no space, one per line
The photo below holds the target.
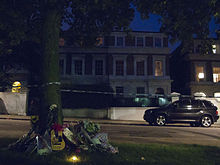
216,112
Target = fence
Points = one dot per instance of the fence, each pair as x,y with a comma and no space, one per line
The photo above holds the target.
120,109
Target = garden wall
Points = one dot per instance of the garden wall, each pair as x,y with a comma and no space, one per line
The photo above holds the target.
13,103
113,113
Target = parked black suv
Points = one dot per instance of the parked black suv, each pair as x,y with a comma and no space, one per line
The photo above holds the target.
196,112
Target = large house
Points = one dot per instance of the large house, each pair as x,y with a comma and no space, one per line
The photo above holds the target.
197,71
130,63
122,66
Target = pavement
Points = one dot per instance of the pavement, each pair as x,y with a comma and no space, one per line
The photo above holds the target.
100,121
74,120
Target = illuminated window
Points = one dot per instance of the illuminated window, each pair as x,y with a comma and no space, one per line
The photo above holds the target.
214,49
99,67
119,70
200,73
158,68
78,67
140,68
216,74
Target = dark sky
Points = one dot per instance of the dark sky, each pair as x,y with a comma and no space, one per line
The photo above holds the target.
153,24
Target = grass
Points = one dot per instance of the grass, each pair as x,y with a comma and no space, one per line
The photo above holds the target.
147,154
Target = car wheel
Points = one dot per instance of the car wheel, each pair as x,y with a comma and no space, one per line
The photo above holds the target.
160,120
206,121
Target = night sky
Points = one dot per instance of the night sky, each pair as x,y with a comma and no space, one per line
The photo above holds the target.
153,25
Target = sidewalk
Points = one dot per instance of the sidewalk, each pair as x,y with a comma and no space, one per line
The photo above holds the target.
100,121
74,120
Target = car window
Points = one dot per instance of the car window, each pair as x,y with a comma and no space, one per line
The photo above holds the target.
196,103
185,103
208,103
175,104
188,104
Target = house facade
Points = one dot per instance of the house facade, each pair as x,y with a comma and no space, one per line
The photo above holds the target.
130,63
197,72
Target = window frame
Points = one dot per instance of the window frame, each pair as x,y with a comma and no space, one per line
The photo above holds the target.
165,42
75,68
140,71
155,69
149,41
218,74
156,43
142,41
119,70
97,67
117,41
203,66
130,41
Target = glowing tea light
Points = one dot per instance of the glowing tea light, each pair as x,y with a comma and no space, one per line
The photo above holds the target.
74,159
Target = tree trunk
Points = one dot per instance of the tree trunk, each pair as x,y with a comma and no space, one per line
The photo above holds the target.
50,61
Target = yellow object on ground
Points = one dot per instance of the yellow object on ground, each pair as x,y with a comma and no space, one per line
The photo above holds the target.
57,141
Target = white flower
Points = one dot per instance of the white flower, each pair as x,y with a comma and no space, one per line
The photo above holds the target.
53,106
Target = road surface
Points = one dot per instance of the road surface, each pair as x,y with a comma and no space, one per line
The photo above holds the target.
177,134
167,134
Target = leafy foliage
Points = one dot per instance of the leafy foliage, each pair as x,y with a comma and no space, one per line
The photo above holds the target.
18,22
36,24
182,19
91,18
